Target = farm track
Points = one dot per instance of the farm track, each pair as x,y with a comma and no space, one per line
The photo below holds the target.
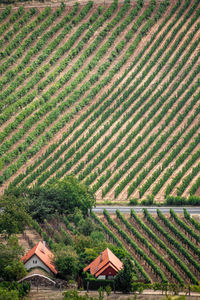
98,147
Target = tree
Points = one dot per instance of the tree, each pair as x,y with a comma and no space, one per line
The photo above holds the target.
86,226
15,271
10,266
61,197
66,262
8,295
126,276
76,194
14,217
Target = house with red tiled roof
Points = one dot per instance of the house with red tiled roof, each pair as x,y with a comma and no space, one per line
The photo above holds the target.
105,266
39,256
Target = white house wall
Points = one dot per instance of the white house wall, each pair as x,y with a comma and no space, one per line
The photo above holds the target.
29,264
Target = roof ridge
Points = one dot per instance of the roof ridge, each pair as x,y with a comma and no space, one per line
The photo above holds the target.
109,253
37,250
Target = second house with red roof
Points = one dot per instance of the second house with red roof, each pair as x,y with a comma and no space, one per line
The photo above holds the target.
105,266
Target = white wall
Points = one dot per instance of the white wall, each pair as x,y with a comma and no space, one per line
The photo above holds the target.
101,277
34,262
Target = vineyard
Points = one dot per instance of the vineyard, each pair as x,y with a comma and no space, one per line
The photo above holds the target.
109,93
164,248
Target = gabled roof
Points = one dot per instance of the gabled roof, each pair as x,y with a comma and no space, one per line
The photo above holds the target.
46,256
105,268
105,259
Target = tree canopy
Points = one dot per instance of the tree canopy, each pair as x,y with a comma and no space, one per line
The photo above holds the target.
13,214
126,276
63,196
66,262
10,266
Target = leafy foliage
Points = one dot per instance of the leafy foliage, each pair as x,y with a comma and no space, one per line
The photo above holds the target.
14,216
61,196
11,268
125,277
66,262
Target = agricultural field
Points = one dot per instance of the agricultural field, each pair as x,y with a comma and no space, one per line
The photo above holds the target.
164,248
109,93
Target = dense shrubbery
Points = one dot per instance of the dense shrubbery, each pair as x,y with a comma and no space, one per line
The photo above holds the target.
14,290
61,197
177,200
10,252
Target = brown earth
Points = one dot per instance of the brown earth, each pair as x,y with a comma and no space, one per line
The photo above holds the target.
51,294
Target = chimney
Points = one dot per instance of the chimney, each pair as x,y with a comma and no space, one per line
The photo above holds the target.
43,247
101,257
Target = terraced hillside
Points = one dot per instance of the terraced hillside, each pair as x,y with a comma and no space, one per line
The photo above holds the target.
109,93
164,248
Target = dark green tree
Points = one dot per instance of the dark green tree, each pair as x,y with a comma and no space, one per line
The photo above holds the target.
60,197
15,271
126,276
8,295
14,216
66,262
10,266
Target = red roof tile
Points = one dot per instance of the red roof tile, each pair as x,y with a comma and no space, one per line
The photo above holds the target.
97,266
46,256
